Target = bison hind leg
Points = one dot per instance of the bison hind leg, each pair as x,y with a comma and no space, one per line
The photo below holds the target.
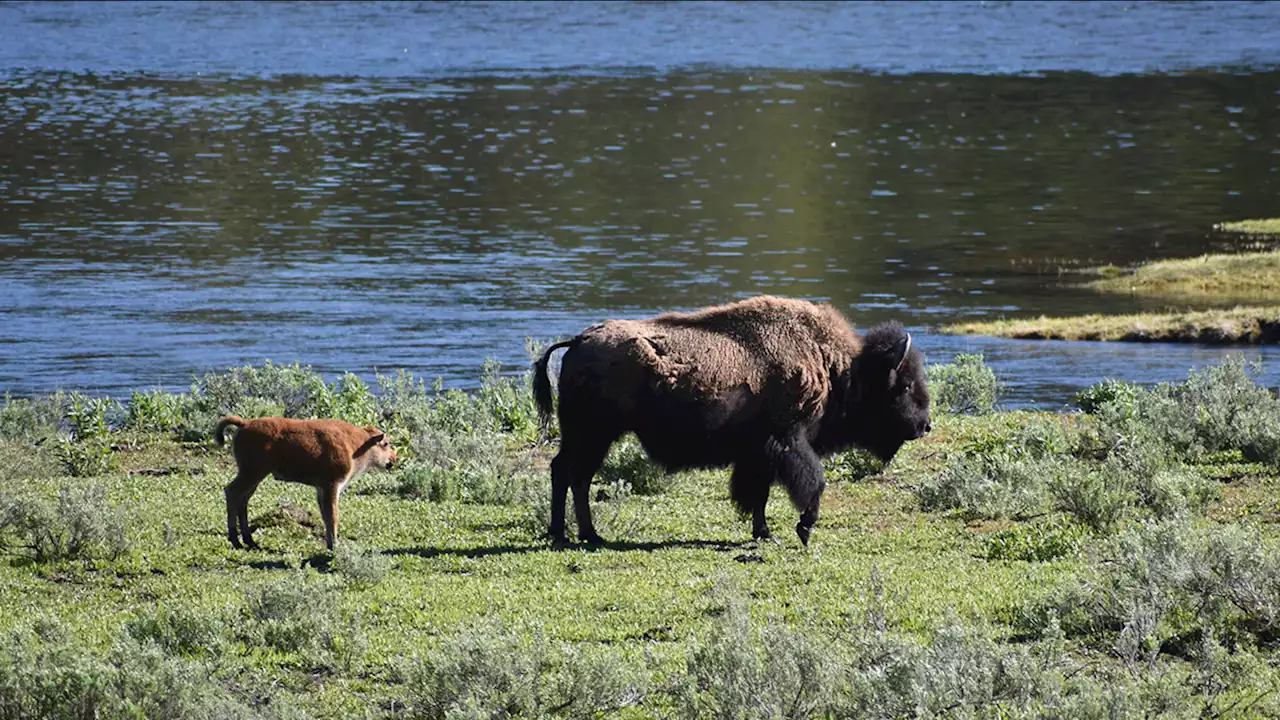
572,469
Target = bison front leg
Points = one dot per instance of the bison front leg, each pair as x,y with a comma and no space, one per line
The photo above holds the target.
749,490
799,469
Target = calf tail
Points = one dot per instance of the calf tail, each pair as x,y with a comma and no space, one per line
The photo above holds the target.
542,383
222,425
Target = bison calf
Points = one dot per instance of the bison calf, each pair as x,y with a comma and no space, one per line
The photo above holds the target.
766,385
324,454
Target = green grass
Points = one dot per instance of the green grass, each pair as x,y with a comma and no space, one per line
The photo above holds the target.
1245,277
1238,325
429,603
1266,226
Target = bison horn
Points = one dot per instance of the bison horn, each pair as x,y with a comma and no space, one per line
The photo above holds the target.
905,352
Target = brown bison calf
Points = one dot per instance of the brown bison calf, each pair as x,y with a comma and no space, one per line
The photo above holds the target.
324,454
766,385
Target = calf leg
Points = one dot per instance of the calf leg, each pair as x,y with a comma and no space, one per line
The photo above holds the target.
799,469
327,497
237,494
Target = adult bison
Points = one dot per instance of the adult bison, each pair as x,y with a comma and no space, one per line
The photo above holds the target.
766,385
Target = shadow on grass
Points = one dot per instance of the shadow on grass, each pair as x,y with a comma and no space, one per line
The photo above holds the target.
619,546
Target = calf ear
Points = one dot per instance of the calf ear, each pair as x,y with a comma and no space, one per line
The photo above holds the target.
364,447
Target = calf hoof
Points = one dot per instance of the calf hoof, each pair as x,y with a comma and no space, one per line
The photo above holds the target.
804,531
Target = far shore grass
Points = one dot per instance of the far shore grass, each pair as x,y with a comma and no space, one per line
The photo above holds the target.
1252,277
1263,226
1239,325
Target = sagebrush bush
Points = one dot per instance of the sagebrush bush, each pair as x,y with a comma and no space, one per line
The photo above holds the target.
30,419
489,671
299,615
45,675
1217,408
966,386
1091,399
629,467
474,467
360,566
81,524
298,391
998,484
180,630
1159,583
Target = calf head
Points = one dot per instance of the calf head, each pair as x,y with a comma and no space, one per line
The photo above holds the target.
893,399
376,450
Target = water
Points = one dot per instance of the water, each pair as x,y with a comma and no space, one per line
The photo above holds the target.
357,186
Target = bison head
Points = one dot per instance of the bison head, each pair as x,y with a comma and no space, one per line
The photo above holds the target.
893,400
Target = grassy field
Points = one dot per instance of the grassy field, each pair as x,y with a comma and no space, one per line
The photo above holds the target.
1118,562
1239,325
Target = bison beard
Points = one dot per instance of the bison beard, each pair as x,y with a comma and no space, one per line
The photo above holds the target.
766,385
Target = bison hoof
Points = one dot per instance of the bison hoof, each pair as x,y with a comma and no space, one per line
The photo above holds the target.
592,540
558,542
803,531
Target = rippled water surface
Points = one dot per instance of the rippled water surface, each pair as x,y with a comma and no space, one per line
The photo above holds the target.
357,186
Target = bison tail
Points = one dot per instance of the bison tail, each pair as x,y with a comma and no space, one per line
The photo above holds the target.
542,383
222,425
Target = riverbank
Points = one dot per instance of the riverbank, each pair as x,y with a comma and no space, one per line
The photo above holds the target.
118,585
1240,325
1264,226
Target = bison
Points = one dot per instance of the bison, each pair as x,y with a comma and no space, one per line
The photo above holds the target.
767,385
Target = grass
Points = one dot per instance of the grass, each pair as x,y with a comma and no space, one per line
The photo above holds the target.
449,603
1242,278
1266,226
1239,325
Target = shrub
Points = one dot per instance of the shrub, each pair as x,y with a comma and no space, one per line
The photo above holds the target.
1001,484
81,525
488,671
1218,408
249,390
87,452
965,386
508,402
854,464
299,615
44,675
1094,397
1161,583
361,567
179,630
471,467
627,466
1039,542
156,411
349,399
1097,499
22,419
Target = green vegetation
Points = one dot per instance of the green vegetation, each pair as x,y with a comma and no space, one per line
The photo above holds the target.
1243,278
1242,325
1120,562
1266,226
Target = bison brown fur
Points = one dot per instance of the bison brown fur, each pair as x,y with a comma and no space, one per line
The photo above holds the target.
324,454
767,385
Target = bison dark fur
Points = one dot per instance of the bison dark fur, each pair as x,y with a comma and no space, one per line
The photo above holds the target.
767,385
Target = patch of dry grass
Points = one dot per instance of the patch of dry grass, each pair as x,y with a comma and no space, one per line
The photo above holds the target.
1247,276
1240,325
1264,226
